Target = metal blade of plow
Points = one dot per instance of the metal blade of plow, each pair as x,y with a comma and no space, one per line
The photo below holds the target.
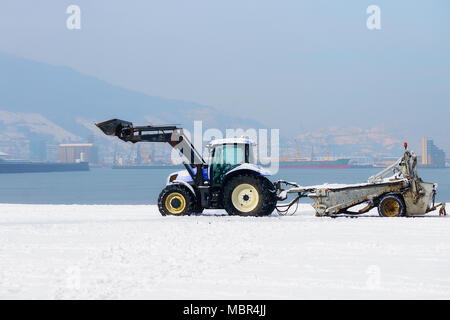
113,126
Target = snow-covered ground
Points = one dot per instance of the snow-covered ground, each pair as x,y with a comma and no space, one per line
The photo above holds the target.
96,252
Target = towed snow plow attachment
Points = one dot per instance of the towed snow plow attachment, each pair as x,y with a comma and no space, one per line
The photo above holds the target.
402,194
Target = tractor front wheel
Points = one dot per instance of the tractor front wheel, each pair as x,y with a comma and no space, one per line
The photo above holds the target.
176,200
249,195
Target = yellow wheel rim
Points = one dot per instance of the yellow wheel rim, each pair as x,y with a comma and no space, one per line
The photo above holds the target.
175,203
390,208
245,197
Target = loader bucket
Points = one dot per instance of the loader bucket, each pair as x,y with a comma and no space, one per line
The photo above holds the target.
113,126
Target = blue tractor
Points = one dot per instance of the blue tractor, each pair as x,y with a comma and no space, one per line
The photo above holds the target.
230,179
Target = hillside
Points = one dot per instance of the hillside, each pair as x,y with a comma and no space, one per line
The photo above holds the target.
73,100
349,141
42,102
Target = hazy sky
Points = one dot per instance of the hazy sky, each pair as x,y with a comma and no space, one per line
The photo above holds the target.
282,63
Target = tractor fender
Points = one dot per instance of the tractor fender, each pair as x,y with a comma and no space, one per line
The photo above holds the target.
250,167
184,183
246,168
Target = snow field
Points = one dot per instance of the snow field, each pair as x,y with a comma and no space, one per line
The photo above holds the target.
132,252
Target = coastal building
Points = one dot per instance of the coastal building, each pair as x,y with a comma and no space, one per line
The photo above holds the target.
432,156
78,152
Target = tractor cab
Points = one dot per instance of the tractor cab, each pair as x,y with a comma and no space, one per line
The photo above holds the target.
228,154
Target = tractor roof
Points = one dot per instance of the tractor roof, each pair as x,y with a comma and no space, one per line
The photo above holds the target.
217,142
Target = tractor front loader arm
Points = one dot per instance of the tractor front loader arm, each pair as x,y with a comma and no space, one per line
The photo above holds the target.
125,131
171,134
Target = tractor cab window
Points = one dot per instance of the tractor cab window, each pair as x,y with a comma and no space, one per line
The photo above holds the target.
232,154
226,157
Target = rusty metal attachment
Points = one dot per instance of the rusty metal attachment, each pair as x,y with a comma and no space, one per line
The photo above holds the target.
400,180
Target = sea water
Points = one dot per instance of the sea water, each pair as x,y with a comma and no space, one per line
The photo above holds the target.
142,186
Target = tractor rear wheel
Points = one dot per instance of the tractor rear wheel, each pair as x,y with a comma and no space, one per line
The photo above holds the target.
249,195
176,200
391,205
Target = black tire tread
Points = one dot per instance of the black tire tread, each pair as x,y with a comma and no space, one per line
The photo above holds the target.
187,194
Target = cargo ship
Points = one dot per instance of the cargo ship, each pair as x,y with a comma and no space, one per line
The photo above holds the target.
22,166
314,164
